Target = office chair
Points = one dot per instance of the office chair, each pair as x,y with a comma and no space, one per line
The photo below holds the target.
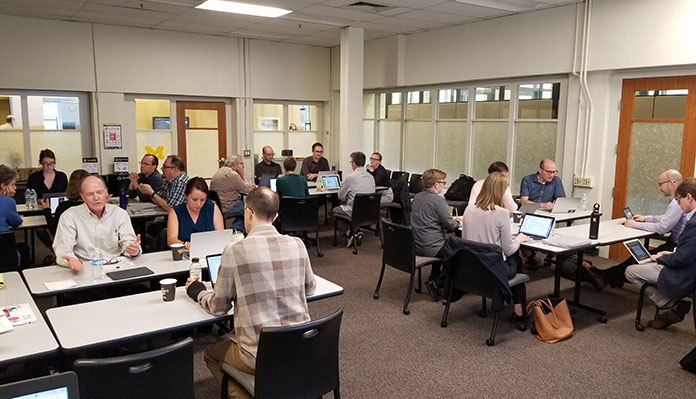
415,184
9,260
296,361
399,252
641,298
300,214
365,214
400,176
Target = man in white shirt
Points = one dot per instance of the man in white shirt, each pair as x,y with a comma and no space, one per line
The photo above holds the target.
94,224
358,182
508,202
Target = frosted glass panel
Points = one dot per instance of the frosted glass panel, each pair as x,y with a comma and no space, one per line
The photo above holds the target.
268,117
390,143
10,105
368,106
154,142
54,113
418,154
489,145
66,144
534,142
303,117
452,140
368,136
275,140
201,152
655,147
301,142
12,149
202,118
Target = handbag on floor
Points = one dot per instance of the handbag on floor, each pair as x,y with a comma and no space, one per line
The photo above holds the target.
688,362
551,319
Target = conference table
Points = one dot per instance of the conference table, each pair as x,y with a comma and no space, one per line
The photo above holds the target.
610,232
26,342
29,224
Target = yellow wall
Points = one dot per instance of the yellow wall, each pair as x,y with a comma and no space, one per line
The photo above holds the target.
146,109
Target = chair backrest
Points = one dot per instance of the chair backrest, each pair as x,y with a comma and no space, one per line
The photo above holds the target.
9,261
215,197
298,361
472,276
398,247
366,209
399,175
161,373
299,213
415,184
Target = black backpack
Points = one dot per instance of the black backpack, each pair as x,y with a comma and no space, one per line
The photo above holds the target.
460,190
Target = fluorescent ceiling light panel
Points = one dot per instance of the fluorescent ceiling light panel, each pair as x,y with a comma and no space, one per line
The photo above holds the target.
243,8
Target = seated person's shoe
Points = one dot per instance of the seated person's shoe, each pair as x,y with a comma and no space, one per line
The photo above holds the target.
682,309
519,321
349,240
665,319
596,278
433,290
533,263
359,236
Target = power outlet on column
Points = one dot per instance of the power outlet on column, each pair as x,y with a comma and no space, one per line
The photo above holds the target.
582,182
247,153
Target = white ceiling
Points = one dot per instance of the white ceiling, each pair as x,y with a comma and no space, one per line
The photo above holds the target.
313,22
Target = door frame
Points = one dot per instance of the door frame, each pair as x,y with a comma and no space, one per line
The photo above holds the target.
182,106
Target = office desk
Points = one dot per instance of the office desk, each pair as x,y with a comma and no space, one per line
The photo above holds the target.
29,341
568,217
160,263
110,321
610,232
137,210
29,223
23,210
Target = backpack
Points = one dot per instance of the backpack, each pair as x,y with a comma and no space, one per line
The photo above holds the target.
460,190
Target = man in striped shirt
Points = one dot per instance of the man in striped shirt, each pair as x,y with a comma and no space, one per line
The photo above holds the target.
267,276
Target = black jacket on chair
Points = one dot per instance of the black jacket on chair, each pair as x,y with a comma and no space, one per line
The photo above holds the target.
677,277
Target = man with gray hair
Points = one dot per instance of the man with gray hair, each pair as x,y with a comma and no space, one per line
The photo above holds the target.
358,182
229,182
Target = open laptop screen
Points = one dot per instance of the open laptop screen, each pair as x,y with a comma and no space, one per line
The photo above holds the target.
54,386
213,266
274,185
537,226
55,201
638,251
330,181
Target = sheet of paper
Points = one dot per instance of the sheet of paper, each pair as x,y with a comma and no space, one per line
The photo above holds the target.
60,285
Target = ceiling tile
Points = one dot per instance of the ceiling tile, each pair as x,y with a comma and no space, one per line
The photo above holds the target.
467,10
195,28
216,18
411,3
124,11
397,21
436,17
147,5
384,27
36,11
305,25
256,34
339,13
115,19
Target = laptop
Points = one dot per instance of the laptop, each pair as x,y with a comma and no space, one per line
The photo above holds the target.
538,227
566,205
331,182
54,386
209,242
265,180
213,262
274,185
528,208
54,199
638,251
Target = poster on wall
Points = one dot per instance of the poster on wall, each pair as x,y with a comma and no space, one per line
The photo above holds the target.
91,165
113,139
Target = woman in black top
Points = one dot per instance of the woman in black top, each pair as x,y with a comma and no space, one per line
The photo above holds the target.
48,179
73,194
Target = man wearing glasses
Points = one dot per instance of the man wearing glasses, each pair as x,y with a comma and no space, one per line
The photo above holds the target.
267,166
674,272
172,192
543,186
148,175
377,171
311,166
358,182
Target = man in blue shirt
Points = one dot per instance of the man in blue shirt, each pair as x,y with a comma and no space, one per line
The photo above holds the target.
543,186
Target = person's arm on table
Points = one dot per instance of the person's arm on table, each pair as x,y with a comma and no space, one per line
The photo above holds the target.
660,224
156,198
64,242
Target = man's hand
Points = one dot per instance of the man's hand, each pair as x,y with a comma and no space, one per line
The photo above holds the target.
370,168
133,249
73,263
459,220
146,189
629,222
133,177
312,176
44,203
546,205
639,218
189,281
657,255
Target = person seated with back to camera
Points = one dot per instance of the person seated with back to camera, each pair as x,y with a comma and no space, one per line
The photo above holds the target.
358,182
489,222
195,215
291,184
9,217
229,182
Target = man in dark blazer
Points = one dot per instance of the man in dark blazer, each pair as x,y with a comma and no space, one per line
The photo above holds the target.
674,272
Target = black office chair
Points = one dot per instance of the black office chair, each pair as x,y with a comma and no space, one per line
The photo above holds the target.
297,361
215,197
160,373
641,298
399,175
9,261
469,275
300,214
365,214
399,252
415,184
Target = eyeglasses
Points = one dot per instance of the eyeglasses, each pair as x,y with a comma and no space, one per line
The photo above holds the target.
660,183
271,154
553,172
48,163
146,164
441,181
168,167
677,198
374,159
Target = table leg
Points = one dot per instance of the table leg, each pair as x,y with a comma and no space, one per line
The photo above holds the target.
576,291
32,258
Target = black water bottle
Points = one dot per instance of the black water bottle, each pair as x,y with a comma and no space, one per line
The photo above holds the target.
594,222
122,198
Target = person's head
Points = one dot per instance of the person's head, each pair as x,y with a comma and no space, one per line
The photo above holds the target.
547,170
236,162
268,154
172,167
668,181
289,164
293,126
8,180
261,207
9,119
196,193
94,193
492,191
47,159
75,184
375,159
434,179
148,164
498,166
685,194
357,160
317,151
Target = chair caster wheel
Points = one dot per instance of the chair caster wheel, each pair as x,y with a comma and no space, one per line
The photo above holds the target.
483,314
490,342
375,296
443,324
639,327
407,312
603,319
355,252
522,327
320,254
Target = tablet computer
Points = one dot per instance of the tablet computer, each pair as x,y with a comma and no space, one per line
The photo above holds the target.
538,227
638,251
627,213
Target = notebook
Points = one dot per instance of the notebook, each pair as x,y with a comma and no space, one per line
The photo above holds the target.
330,182
638,251
130,273
213,266
54,386
538,227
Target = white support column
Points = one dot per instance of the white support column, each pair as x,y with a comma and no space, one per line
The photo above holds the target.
350,118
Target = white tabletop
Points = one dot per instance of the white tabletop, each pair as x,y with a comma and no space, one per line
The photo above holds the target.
22,208
144,209
566,217
160,263
32,222
112,320
29,340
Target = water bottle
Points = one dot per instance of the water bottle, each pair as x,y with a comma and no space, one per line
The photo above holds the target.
34,199
97,263
594,222
27,198
583,202
195,270
122,198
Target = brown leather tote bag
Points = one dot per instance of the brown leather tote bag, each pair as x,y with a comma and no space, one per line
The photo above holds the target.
551,319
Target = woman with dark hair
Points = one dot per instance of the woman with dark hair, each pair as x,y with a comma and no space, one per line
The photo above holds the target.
8,208
48,179
74,198
195,215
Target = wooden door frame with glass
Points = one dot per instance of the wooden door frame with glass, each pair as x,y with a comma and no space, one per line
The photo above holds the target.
181,107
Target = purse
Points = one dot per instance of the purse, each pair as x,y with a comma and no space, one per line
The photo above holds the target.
688,362
551,319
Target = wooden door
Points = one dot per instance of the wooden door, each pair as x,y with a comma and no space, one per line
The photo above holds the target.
201,136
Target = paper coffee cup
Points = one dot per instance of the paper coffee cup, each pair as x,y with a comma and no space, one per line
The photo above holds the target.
168,289
177,251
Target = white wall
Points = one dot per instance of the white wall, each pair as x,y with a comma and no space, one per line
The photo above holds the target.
381,62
